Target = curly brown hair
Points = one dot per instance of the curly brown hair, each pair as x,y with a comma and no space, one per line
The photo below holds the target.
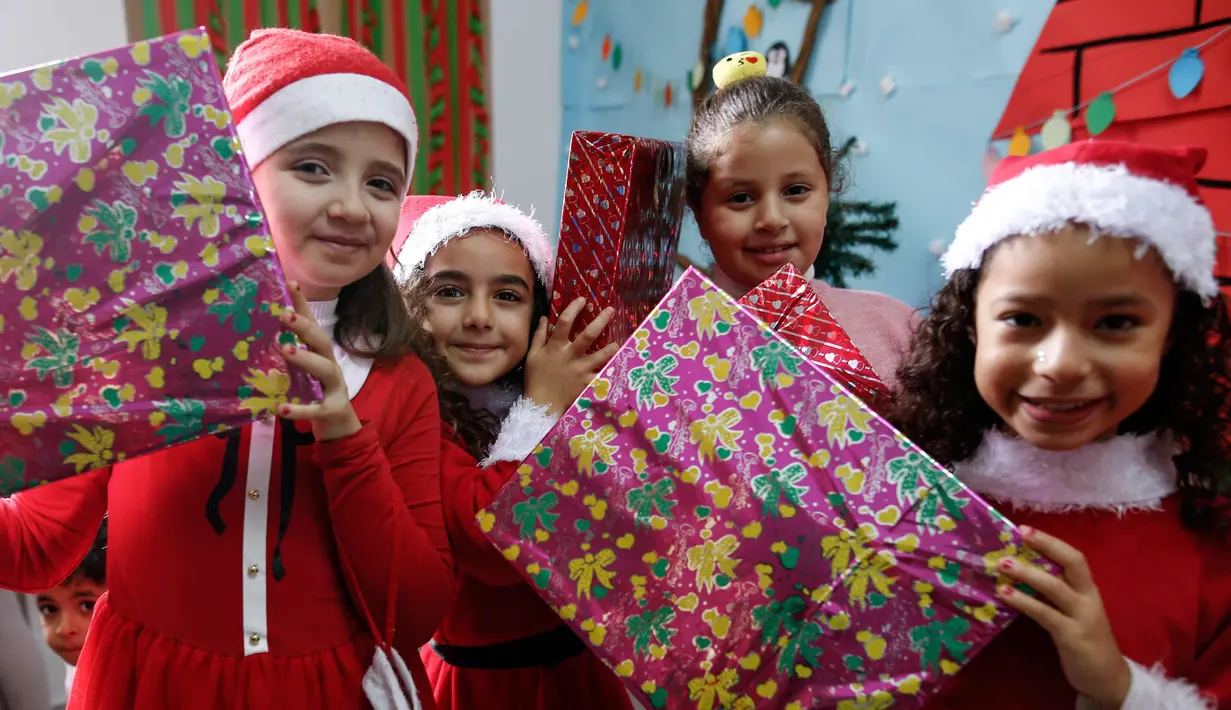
475,429
938,406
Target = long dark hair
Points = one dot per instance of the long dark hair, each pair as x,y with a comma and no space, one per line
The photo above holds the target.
760,100
374,320
938,406
476,429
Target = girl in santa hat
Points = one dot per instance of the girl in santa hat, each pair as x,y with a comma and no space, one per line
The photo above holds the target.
479,271
283,565
1067,373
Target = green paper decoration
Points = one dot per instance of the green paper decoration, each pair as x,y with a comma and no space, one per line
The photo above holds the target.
617,57
774,3
1100,114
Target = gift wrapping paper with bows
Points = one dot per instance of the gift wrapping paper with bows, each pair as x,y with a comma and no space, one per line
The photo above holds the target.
139,291
787,303
619,228
728,528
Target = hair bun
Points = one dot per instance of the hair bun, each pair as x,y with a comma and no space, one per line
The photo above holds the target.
737,67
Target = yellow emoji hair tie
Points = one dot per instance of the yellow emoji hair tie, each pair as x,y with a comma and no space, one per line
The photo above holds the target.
737,67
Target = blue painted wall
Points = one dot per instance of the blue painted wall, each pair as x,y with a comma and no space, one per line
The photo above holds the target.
925,142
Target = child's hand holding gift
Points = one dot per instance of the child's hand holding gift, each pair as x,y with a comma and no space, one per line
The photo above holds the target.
1075,619
558,370
332,417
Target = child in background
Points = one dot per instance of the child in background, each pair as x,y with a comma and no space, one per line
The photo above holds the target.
479,272
1066,373
760,172
258,568
67,608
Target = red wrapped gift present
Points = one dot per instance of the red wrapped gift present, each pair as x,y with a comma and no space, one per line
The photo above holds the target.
619,228
787,303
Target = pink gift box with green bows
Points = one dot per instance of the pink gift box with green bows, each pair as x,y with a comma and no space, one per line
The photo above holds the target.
139,292
728,528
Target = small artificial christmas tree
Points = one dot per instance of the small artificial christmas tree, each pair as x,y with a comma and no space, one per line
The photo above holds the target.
852,227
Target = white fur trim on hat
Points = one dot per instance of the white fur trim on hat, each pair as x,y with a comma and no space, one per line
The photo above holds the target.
1111,200
314,102
475,211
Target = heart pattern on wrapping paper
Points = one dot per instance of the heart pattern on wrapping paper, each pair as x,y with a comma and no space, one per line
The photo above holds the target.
788,304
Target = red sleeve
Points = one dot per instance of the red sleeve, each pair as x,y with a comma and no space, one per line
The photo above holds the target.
48,530
384,503
467,490
1212,671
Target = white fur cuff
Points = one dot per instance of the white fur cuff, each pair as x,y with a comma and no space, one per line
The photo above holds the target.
523,428
1151,689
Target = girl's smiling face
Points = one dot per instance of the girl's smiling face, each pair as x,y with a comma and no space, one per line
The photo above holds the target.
1070,334
333,199
481,305
765,202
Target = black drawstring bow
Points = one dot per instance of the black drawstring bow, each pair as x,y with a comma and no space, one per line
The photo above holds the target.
292,439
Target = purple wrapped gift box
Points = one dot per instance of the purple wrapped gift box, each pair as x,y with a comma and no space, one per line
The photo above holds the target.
727,528
139,291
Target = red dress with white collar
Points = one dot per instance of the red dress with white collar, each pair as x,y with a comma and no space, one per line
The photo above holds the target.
1167,590
225,576
501,645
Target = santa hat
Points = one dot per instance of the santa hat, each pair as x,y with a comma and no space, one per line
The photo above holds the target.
428,223
283,84
1116,188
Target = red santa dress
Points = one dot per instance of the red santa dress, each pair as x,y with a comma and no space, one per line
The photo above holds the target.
1166,589
500,645
226,575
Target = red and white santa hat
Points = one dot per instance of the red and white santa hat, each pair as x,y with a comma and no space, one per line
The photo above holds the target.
1116,188
428,223
283,84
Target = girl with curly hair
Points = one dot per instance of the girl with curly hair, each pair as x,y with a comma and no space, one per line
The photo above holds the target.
477,273
1073,371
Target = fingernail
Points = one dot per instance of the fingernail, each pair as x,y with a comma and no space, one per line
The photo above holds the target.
1006,564
293,316
298,287
284,409
289,349
1006,591
1026,531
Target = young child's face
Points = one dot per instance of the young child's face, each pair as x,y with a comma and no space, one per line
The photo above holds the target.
333,199
481,305
765,202
66,611
1069,334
